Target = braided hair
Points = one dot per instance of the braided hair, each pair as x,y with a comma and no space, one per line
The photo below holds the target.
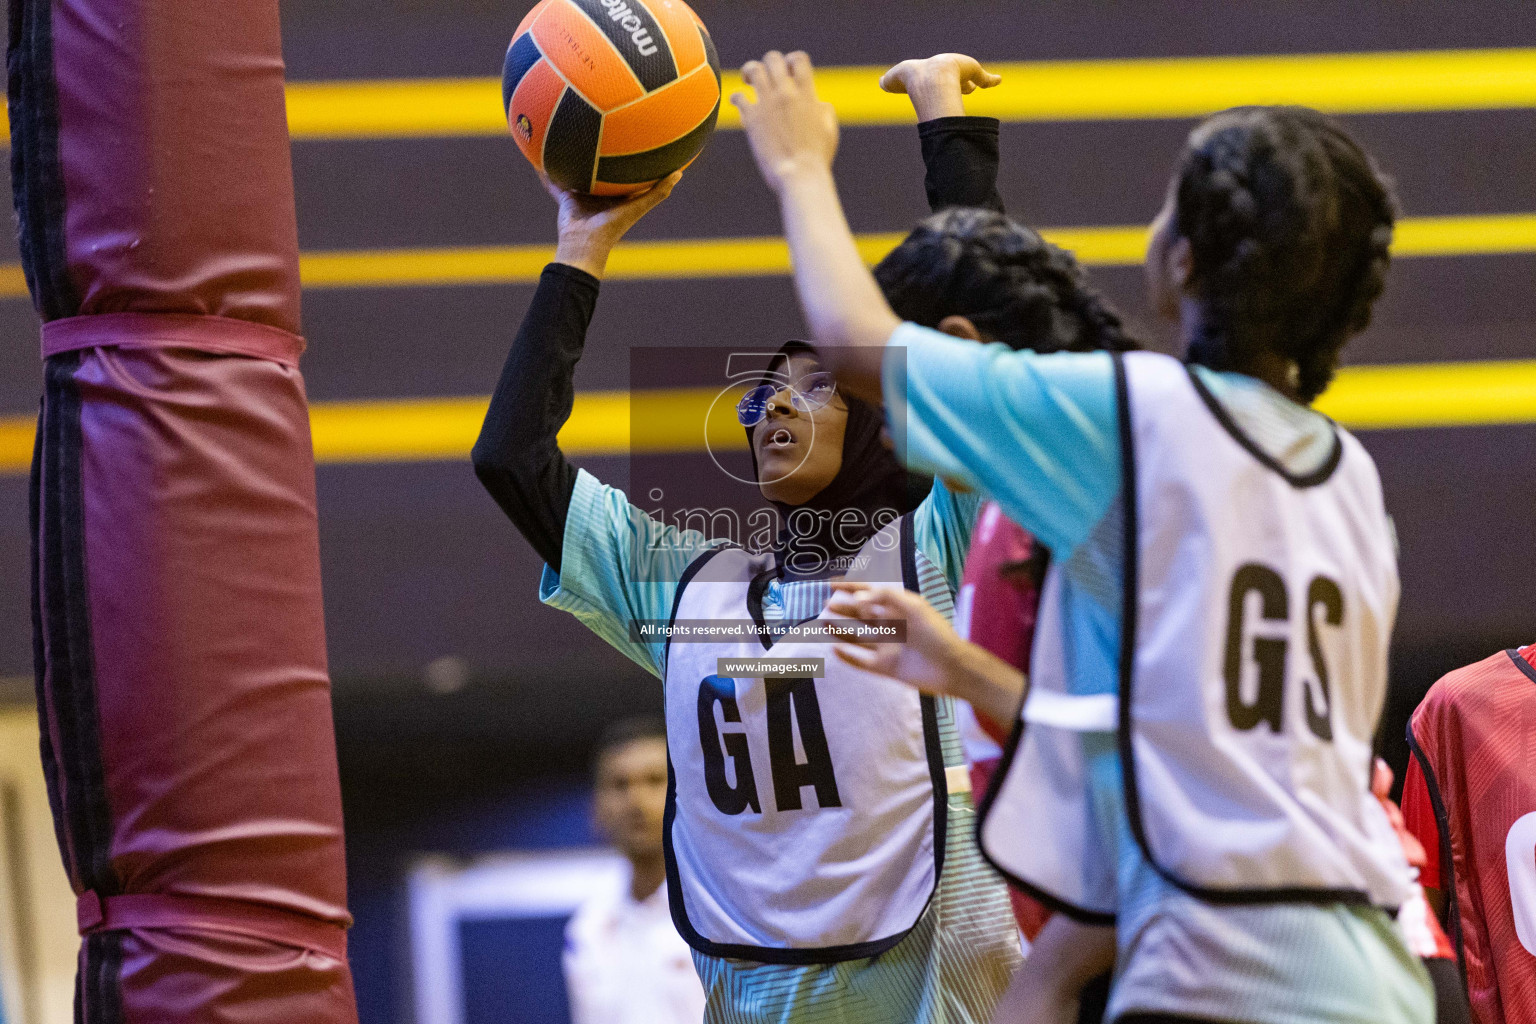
1014,286
1289,225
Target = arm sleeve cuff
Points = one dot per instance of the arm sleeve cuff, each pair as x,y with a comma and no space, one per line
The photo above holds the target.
575,275
960,158
940,125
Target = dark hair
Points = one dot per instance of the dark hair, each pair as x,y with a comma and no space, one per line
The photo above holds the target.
1289,225
624,732
1016,287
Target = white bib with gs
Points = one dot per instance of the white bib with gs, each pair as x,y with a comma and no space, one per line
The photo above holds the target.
1258,605
805,816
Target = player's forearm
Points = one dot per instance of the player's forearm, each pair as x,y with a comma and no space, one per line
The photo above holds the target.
991,685
516,456
844,308
1065,956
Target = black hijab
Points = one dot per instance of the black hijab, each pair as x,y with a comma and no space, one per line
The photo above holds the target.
812,544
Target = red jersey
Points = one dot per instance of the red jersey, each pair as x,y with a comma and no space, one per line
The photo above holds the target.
999,594
1474,739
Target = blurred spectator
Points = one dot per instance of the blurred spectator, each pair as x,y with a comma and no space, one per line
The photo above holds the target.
624,961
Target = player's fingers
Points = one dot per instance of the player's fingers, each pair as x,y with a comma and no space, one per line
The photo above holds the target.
846,607
754,74
747,108
851,607
1381,779
874,602
653,196
874,610
894,80
973,76
846,590
884,594
862,643
802,71
858,657
778,69
555,191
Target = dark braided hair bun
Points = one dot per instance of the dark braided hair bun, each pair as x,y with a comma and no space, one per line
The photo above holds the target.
1013,285
1289,225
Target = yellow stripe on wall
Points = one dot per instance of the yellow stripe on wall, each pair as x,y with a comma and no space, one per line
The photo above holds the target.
1433,395
1083,90
433,429
16,437
1465,236
684,259
416,430
1086,90
699,259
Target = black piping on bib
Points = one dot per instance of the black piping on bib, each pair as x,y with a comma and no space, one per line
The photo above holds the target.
1447,878
988,799
1317,476
677,597
1521,664
1130,599
824,954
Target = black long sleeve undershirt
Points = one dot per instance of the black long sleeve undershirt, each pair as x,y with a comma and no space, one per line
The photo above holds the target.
960,156
517,457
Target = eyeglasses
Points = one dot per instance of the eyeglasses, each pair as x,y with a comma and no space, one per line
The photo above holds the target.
807,394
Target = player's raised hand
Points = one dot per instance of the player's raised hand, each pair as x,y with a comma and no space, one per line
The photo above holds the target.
928,657
936,84
590,226
933,659
791,131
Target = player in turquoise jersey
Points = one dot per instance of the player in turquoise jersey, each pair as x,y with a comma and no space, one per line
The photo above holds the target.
1270,252
611,564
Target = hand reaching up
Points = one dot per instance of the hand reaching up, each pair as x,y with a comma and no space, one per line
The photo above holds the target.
936,84
928,658
590,226
791,131
934,658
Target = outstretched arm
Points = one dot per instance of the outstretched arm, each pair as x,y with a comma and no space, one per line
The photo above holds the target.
1037,432
517,456
794,138
960,153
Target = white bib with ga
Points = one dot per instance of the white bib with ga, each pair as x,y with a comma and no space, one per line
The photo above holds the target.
1258,605
805,818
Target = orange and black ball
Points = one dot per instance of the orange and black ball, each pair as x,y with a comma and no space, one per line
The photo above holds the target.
609,96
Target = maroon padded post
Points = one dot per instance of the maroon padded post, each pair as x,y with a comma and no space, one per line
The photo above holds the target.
182,682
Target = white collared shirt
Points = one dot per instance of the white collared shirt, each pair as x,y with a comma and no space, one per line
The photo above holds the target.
626,964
